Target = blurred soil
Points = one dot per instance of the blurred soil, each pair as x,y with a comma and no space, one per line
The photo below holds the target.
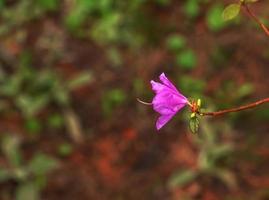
122,156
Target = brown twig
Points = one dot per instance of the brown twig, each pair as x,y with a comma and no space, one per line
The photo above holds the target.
253,16
248,106
245,107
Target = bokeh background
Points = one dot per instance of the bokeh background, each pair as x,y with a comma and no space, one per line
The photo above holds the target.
70,124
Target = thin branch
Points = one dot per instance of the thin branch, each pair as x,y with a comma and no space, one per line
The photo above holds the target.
253,16
245,107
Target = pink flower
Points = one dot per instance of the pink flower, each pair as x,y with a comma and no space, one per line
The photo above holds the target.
167,101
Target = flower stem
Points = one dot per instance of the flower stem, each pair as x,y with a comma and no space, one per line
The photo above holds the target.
237,109
143,102
253,16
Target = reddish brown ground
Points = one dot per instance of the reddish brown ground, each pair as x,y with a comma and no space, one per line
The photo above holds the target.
122,157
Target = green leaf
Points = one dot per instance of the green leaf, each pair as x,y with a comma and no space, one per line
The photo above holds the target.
163,2
12,86
27,191
193,87
65,149
107,28
222,150
31,105
113,99
4,175
138,85
249,1
78,14
244,90
2,4
81,80
61,95
48,4
214,18
20,174
186,59
231,11
191,8
114,57
10,147
194,124
55,121
182,178
33,125
226,177
175,42
41,164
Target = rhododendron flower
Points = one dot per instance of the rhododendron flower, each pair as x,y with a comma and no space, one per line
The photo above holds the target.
167,101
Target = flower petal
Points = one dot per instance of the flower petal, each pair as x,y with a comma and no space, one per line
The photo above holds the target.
167,101
166,85
162,120
167,82
163,109
156,87
168,98
166,114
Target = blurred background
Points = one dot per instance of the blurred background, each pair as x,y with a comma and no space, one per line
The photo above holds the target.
70,125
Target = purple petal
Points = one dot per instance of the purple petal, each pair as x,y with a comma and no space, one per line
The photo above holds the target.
166,82
163,109
160,88
167,101
166,114
168,98
157,87
162,120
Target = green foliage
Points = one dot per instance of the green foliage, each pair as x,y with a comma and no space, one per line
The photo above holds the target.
191,86
138,86
27,191
186,59
114,57
33,125
110,21
182,178
175,42
191,8
4,175
105,21
213,152
231,11
108,29
194,123
214,18
112,99
65,149
30,176
55,121
2,4
41,164
213,157
18,14
262,114
220,56
48,87
10,147
48,4
244,90
80,80
240,92
248,1
163,2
